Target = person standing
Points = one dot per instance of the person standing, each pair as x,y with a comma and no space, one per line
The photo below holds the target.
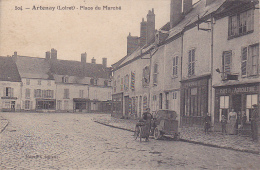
224,124
232,119
207,123
254,123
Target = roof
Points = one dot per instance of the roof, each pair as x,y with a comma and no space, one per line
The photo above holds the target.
77,68
8,70
200,9
33,67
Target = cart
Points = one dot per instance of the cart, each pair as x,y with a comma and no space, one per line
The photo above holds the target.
165,123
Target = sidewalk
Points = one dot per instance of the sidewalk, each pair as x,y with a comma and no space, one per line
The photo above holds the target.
193,135
3,124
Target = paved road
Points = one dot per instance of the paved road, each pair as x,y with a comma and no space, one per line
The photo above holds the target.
74,141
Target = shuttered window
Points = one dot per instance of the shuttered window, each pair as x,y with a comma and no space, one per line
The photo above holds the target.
191,62
250,60
227,57
254,56
8,92
155,74
241,24
175,66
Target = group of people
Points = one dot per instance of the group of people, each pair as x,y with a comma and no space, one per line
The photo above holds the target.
230,123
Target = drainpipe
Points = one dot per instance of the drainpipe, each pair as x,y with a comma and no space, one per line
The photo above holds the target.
211,72
181,78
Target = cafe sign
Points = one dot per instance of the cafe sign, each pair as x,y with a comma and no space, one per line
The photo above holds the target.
237,90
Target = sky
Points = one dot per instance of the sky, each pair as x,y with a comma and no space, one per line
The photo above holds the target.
99,33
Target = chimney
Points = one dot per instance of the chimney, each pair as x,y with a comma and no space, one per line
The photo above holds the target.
104,62
47,55
143,29
84,57
15,56
176,12
93,61
132,43
208,2
187,6
53,54
150,33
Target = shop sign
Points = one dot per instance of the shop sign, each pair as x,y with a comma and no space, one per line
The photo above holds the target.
195,83
236,90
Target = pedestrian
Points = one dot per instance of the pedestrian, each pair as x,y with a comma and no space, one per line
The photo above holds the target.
224,124
232,122
207,123
254,123
145,121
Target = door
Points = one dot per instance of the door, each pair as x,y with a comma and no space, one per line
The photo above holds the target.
12,106
236,103
127,106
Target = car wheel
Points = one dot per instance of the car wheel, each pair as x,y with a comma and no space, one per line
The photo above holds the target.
157,134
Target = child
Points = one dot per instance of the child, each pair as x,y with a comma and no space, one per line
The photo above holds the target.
223,123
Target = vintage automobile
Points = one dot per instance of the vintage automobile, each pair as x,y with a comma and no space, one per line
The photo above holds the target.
165,123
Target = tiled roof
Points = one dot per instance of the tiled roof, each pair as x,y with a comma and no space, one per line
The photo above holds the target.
33,67
200,9
77,68
8,70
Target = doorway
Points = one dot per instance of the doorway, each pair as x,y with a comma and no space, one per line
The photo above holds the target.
236,103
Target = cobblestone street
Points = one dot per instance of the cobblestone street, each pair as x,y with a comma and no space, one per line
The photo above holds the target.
75,141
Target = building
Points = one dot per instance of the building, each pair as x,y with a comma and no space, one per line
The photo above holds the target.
10,85
236,69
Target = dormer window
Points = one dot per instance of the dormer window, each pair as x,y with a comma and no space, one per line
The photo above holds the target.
65,79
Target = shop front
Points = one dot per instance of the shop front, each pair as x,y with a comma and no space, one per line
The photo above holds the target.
239,97
81,104
45,104
194,101
8,104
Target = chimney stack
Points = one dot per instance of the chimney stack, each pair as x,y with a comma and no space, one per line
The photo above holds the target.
150,33
187,6
176,12
143,29
93,61
132,43
47,55
53,54
84,57
15,56
104,62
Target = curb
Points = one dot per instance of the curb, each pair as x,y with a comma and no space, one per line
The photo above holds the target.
190,141
6,124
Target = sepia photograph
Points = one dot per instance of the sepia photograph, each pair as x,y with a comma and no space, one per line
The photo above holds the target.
129,84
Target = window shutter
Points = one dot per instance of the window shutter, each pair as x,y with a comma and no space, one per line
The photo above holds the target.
249,72
4,92
244,61
35,93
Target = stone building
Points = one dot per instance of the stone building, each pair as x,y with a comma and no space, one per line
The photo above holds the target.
10,85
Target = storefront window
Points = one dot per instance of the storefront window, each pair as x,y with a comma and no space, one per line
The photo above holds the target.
250,101
224,104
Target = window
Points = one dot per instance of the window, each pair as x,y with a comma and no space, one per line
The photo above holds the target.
27,104
166,100
241,24
175,66
175,101
249,60
126,85
250,101
223,109
65,79
160,101
37,93
226,62
146,76
27,81
39,82
106,83
81,93
191,64
66,94
9,92
27,93
47,93
254,56
155,74
92,81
